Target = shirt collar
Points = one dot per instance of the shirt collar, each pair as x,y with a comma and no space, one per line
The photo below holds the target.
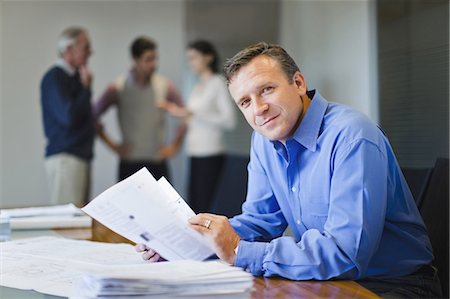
132,75
70,70
308,130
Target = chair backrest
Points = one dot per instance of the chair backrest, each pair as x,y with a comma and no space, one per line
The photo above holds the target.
434,210
418,180
232,189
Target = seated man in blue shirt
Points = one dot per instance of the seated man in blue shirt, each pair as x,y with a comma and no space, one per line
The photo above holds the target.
327,172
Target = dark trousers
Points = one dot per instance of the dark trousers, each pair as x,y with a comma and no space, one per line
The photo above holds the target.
424,283
205,175
157,169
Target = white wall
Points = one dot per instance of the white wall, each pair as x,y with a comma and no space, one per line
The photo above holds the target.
28,32
334,44
1,95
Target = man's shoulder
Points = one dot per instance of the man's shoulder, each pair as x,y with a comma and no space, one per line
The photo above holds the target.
118,84
349,124
53,71
160,79
52,74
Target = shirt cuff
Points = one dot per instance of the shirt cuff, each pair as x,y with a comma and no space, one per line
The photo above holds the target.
250,256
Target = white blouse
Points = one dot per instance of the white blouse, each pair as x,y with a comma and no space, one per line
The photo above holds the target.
212,114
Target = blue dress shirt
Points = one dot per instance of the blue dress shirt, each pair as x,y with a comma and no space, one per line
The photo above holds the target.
338,186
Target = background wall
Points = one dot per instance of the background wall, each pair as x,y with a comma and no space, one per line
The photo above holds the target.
29,32
413,51
334,44
1,88
246,28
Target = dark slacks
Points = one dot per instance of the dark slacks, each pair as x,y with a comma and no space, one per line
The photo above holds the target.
204,178
157,169
424,283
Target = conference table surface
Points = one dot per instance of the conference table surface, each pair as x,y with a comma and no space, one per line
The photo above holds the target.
262,287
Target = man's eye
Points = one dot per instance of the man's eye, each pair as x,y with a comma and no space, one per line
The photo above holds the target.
245,103
267,89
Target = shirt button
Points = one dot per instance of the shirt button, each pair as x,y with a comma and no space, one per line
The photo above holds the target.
294,189
298,222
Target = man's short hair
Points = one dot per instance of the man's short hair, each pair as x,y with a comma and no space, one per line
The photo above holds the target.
68,37
276,52
140,45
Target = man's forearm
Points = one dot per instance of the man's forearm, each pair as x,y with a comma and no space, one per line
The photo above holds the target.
105,138
181,132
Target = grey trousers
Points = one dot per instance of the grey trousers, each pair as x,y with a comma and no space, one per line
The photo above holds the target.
68,179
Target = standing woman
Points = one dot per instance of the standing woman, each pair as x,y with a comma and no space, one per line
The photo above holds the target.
208,113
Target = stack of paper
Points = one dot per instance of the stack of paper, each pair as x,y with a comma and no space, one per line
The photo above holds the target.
147,211
61,216
86,269
55,266
180,278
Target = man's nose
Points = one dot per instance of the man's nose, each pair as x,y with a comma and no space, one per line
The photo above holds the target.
260,107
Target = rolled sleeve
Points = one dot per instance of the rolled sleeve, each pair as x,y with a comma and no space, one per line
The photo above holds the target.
250,256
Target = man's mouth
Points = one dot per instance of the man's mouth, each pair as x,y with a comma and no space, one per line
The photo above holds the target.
267,120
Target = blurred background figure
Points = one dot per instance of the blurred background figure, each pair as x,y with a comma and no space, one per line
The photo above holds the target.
67,116
209,113
142,123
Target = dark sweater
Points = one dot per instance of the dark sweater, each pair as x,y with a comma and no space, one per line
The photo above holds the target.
67,114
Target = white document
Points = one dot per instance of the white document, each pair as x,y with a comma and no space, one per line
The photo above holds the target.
147,211
85,269
60,216
55,265
45,222
59,210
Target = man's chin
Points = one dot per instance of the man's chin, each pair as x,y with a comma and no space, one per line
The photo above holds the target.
272,135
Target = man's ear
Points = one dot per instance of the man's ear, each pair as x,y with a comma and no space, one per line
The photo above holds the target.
300,83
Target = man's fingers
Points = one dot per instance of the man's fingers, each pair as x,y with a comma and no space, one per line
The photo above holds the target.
149,254
201,218
141,247
154,258
201,229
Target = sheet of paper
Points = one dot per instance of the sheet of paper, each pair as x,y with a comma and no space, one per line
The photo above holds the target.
60,210
150,212
175,201
42,222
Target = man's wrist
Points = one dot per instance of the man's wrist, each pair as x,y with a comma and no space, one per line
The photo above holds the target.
250,256
235,254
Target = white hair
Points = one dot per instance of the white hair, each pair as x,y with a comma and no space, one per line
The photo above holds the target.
68,37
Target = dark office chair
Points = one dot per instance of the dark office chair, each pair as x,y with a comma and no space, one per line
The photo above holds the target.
232,188
434,210
418,180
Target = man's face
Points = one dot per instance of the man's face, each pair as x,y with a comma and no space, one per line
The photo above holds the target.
270,104
80,51
147,63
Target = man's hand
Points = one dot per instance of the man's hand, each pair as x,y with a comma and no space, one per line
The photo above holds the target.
148,254
168,151
221,233
85,76
120,149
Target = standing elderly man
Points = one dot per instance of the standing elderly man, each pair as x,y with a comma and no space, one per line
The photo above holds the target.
328,173
68,121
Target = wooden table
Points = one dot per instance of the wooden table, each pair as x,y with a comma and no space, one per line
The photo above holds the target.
263,287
